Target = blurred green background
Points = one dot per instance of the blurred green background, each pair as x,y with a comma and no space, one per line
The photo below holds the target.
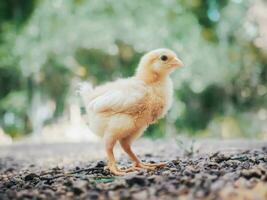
47,47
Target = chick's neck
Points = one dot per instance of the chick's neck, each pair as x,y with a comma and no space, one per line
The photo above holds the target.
149,76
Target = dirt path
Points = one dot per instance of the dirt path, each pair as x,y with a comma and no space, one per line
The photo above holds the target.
205,170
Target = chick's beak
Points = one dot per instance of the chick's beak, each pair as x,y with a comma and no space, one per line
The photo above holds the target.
176,62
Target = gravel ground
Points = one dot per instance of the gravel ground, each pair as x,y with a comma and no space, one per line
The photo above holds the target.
207,169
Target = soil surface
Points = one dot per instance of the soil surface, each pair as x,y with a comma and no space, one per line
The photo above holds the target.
201,170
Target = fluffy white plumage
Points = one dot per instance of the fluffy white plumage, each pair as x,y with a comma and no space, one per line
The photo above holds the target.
126,93
121,110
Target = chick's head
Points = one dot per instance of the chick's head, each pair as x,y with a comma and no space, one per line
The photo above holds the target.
160,62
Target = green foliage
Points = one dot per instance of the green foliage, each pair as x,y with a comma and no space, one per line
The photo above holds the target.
47,45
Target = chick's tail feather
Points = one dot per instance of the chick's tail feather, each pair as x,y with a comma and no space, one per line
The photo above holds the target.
84,90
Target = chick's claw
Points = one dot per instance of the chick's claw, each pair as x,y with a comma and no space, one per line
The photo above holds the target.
118,172
136,167
157,165
149,166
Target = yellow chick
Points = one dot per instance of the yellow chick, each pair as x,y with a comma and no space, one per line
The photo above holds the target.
120,111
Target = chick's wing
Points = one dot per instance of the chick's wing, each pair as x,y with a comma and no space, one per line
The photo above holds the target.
118,97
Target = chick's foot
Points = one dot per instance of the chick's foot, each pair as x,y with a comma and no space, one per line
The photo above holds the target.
149,166
116,171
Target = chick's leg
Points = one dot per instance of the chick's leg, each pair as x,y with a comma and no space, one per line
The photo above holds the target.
125,144
110,143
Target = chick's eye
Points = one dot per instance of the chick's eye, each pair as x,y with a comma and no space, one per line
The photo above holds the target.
163,58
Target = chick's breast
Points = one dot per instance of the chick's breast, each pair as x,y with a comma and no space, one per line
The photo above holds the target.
160,96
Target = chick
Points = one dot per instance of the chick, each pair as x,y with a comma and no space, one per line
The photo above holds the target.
120,111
